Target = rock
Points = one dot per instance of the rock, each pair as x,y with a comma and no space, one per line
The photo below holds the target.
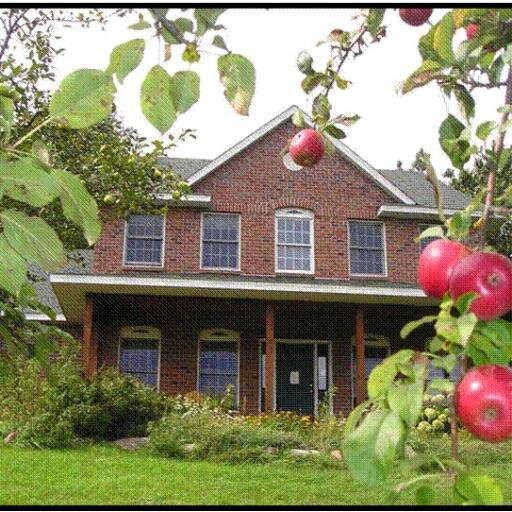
131,443
336,454
409,451
304,453
271,450
11,437
190,447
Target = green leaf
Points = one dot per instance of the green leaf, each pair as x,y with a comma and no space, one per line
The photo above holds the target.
428,71
406,399
40,151
447,362
444,385
141,24
33,238
298,119
78,205
464,302
6,115
126,57
425,495
375,17
484,129
411,326
156,99
346,120
13,268
474,489
431,232
219,42
238,76
355,416
335,132
206,19
383,375
459,225
452,142
443,35
321,108
25,180
312,81
369,450
83,98
496,70
465,101
305,63
184,90
466,324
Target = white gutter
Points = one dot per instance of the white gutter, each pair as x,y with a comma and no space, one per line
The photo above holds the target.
415,212
40,317
190,200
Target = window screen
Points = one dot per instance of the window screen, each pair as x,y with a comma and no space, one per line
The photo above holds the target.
218,367
220,241
367,248
139,358
294,243
144,240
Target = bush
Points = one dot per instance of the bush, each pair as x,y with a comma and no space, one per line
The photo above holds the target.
63,410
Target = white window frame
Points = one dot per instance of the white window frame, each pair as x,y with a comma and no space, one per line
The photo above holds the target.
239,241
144,264
385,274
220,335
144,333
294,213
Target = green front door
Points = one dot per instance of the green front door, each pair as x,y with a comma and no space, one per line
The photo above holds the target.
295,378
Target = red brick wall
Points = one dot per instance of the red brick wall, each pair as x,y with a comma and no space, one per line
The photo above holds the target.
255,183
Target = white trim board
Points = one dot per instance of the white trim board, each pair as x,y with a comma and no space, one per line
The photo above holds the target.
348,153
416,212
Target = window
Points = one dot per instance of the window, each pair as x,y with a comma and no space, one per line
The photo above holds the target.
220,241
294,241
367,248
139,353
218,362
425,241
144,240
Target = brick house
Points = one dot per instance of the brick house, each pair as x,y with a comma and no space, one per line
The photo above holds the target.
282,281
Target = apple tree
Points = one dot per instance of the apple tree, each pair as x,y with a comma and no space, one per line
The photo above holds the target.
473,283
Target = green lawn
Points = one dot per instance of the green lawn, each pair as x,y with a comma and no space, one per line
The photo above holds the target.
102,475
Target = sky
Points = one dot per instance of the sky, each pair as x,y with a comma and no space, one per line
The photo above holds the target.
392,127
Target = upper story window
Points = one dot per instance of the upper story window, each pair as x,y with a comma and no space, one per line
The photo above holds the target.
144,240
220,241
294,241
367,248
425,241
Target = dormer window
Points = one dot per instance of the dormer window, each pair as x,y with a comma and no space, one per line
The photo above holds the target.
144,241
294,241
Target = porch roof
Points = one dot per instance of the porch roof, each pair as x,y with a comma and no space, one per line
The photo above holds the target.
71,289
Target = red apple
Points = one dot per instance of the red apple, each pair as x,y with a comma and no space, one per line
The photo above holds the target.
483,401
307,147
436,265
472,30
415,17
488,274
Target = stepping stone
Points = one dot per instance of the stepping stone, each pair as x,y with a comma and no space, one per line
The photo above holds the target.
190,447
336,454
303,453
10,437
131,443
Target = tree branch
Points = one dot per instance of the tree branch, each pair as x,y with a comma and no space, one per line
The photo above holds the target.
169,26
13,25
491,180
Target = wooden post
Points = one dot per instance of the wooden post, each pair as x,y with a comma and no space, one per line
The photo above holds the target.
270,357
89,343
360,363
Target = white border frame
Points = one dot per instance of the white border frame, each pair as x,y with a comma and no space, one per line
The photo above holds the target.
231,337
143,338
315,343
383,224
225,269
283,213
144,265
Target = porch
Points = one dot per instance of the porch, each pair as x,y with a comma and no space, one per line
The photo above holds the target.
280,354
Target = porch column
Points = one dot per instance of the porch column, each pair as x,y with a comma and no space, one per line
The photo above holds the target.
90,341
270,357
360,381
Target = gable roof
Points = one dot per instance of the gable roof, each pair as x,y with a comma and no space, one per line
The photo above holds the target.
186,167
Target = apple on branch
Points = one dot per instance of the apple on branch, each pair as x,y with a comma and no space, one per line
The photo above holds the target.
415,16
307,147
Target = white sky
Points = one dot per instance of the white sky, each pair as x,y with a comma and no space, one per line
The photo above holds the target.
392,127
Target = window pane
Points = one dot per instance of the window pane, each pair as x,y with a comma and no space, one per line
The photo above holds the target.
294,231
220,228
220,241
220,255
139,250
147,226
218,367
290,257
139,358
144,239
366,248
322,373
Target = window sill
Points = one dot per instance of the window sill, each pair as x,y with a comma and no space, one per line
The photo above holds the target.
371,276
145,268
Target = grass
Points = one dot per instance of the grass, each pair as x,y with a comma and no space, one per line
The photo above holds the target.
106,475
